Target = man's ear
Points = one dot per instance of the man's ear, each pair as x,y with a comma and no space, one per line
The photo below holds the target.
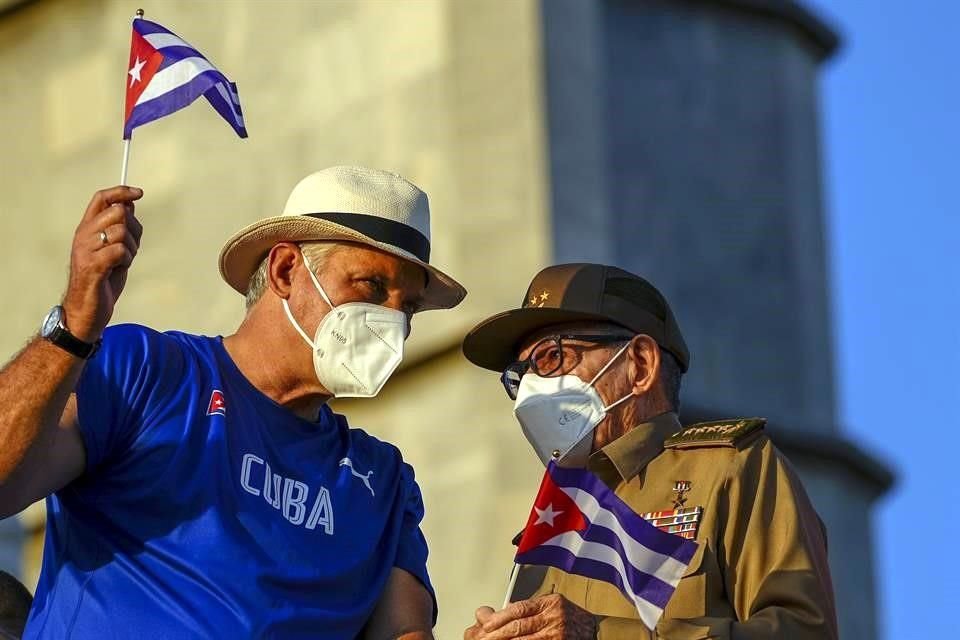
644,356
281,261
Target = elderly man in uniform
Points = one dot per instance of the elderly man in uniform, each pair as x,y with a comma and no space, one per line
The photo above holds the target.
593,361
201,487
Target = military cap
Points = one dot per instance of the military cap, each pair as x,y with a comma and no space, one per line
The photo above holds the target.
572,293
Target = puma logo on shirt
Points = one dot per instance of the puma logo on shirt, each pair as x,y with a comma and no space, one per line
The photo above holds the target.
365,478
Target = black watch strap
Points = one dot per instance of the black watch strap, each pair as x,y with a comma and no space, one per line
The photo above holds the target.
72,344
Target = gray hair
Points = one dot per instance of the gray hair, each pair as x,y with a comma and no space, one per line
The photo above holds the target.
316,253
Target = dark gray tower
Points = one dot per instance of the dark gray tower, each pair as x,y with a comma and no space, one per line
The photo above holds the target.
684,136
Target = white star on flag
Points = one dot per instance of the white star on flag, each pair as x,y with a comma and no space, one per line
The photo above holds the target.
134,71
546,515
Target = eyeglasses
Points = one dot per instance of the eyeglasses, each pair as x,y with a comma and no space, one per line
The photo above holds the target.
552,356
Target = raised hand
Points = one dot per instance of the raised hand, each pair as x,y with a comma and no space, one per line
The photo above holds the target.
104,246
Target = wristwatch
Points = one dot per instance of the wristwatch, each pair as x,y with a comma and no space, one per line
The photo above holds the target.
55,330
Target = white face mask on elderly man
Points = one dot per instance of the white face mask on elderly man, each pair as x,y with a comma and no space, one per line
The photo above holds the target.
558,414
357,345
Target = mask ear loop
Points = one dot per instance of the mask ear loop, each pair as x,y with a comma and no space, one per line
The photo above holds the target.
604,370
621,400
286,307
296,325
608,365
316,283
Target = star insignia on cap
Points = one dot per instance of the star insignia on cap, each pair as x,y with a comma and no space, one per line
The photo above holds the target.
537,300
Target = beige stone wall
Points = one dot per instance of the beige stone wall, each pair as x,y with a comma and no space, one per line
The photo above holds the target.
447,92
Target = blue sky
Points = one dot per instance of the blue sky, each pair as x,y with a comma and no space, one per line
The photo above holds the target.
891,99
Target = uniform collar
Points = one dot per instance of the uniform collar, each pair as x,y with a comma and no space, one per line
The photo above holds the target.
629,454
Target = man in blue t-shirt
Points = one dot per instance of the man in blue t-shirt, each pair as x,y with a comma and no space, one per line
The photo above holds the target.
201,487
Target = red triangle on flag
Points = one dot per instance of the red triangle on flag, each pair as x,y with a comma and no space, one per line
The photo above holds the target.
553,513
144,62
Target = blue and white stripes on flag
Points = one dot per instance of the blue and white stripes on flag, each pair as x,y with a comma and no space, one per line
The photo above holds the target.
166,74
580,526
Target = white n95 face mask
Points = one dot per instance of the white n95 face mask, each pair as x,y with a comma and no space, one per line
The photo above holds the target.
357,345
558,415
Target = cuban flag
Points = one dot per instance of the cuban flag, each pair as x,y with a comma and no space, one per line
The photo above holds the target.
166,74
580,526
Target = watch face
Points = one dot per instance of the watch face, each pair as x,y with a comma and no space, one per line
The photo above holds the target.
51,321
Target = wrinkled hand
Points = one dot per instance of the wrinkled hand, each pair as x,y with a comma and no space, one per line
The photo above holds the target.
104,245
550,617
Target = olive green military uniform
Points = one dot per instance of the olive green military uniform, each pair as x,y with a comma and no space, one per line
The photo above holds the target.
760,570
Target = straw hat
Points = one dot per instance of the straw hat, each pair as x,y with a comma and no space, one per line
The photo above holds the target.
353,204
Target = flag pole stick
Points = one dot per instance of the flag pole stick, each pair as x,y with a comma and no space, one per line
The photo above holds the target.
511,585
126,143
126,160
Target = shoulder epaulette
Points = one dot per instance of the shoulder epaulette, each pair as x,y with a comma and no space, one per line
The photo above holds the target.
722,433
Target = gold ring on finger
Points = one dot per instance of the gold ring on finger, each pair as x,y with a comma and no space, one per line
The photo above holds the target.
104,240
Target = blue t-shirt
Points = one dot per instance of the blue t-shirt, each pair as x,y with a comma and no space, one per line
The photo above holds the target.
209,511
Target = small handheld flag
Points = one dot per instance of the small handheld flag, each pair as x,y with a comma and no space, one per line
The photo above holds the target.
580,526
166,74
